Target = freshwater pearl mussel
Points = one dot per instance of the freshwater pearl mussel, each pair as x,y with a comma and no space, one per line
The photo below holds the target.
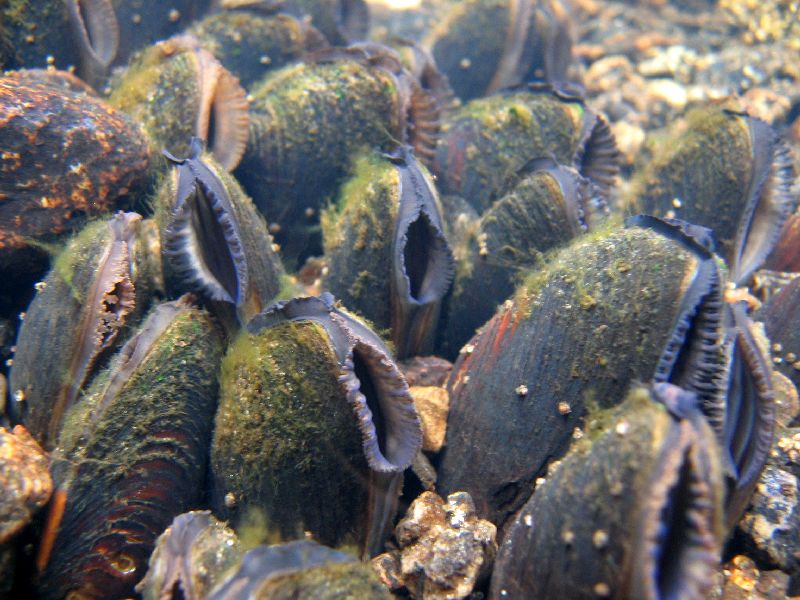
611,415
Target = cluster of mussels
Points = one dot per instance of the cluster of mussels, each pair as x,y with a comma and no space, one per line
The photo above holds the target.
311,207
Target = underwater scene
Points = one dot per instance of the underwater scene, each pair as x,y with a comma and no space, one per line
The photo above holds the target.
427,299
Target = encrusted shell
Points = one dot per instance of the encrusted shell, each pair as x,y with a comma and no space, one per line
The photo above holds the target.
486,45
487,142
176,89
726,171
99,283
637,513
388,257
309,388
131,456
637,303
66,156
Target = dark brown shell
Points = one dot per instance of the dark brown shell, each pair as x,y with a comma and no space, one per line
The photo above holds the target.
785,256
67,156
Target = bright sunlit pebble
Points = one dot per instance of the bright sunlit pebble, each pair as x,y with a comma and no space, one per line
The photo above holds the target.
136,19
174,15
39,286
465,63
601,589
522,390
676,202
622,428
564,408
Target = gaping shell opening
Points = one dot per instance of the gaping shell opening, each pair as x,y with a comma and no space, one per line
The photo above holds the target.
95,24
680,551
202,240
597,156
769,201
425,257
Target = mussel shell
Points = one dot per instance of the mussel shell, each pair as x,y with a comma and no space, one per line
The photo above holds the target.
637,513
131,456
250,44
102,281
609,309
300,570
388,257
341,21
176,89
487,142
216,244
32,30
297,155
780,315
307,387
67,156
549,206
486,45
785,256
726,171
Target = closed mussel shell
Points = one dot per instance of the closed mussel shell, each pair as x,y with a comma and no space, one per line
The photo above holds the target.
250,43
388,257
315,426
642,303
341,21
131,456
635,513
297,154
215,243
726,171
487,142
550,205
67,156
176,89
486,45
102,281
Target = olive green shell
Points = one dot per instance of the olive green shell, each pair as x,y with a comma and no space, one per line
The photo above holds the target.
250,44
634,513
607,310
486,45
307,122
32,30
487,142
102,281
286,441
546,209
67,156
728,172
132,454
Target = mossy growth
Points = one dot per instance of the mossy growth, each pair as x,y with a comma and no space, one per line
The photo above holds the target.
335,581
286,439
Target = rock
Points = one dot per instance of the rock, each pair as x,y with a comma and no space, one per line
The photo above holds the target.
426,370
740,579
432,404
444,549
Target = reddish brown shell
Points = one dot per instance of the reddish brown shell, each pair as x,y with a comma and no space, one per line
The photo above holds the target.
66,156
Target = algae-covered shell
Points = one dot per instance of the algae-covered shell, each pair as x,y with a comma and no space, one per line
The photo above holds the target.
308,120
550,205
638,303
315,427
190,558
341,21
486,142
388,257
67,156
486,45
131,456
300,570
250,44
728,172
637,513
176,89
215,243
102,280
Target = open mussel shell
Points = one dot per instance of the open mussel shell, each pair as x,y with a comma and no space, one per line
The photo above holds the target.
176,89
487,142
297,156
67,156
550,205
315,427
388,257
131,456
190,558
250,43
486,45
638,303
726,171
341,21
215,243
636,513
102,281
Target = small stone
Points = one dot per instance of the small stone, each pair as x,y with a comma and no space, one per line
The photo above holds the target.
465,63
432,404
174,15
622,428
230,500
521,390
600,539
668,91
602,589
564,408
